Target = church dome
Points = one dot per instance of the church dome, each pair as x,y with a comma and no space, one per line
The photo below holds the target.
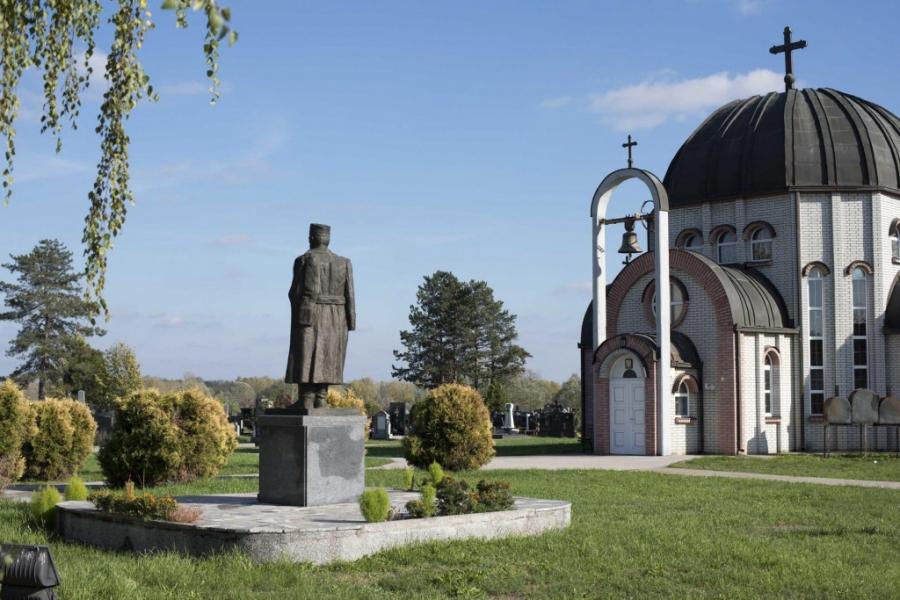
799,140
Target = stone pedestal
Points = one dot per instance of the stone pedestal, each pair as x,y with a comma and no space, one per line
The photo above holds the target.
311,458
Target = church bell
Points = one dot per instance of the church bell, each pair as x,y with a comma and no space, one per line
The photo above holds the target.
630,243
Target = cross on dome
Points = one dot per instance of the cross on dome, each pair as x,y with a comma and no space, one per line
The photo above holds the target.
787,48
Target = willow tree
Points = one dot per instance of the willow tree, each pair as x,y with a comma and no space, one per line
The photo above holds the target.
57,37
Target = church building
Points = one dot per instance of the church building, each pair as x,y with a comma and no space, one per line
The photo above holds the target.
784,228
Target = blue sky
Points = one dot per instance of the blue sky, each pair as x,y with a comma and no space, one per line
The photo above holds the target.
463,136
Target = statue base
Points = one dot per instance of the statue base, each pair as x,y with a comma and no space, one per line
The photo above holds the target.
311,457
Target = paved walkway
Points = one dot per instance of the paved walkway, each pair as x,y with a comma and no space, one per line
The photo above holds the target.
561,462
890,485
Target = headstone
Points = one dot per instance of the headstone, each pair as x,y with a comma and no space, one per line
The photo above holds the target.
81,397
509,419
889,411
864,405
837,411
557,421
382,423
399,413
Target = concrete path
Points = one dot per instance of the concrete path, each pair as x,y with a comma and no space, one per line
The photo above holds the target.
561,462
890,485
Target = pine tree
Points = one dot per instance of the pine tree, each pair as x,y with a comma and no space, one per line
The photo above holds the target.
48,302
460,334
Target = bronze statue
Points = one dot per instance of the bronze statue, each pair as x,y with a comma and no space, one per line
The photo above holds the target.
323,310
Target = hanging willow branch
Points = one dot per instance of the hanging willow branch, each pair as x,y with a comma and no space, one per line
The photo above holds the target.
57,37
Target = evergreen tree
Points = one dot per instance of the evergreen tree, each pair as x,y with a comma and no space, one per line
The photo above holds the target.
48,303
496,397
122,374
85,369
460,334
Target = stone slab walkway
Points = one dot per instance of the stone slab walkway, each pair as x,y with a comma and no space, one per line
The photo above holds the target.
890,485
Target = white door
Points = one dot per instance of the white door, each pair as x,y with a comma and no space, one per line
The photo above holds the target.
626,421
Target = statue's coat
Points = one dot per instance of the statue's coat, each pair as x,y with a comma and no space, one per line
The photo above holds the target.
323,310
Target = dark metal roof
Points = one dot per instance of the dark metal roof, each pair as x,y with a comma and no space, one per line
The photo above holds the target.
796,140
684,353
892,314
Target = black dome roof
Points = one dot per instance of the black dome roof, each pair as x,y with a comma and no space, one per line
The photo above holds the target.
810,139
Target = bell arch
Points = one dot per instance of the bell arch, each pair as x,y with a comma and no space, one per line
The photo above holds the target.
599,205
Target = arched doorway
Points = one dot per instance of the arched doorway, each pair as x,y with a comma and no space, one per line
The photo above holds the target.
627,405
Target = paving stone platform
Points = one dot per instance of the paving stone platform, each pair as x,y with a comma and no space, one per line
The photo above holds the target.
320,534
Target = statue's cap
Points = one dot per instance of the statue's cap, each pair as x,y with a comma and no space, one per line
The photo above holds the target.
317,228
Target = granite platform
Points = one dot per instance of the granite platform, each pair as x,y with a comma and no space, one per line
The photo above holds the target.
318,534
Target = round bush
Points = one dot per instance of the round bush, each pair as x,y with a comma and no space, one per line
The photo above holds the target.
16,428
452,427
63,439
179,436
143,445
375,505
347,399
205,438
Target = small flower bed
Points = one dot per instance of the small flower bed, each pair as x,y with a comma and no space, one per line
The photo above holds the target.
143,506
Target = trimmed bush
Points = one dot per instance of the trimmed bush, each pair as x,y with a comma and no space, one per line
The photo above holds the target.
493,495
452,427
16,428
408,478
424,506
436,473
454,497
76,490
63,439
43,504
205,438
179,436
142,506
375,505
143,446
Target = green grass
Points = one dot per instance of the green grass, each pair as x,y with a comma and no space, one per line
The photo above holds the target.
509,446
879,467
641,535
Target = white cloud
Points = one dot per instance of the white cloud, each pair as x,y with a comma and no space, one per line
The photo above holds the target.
43,169
656,100
231,240
752,7
185,88
171,322
575,288
97,81
552,103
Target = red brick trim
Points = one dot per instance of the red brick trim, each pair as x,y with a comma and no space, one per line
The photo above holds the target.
690,264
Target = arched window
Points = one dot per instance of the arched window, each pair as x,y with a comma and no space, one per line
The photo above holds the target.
815,286
860,337
770,385
682,398
761,244
726,248
894,235
690,239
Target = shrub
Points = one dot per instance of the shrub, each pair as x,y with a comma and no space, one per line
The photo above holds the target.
16,428
205,438
493,495
143,506
76,490
436,473
425,506
143,444
43,504
454,497
452,427
375,505
166,437
408,478
62,441
348,399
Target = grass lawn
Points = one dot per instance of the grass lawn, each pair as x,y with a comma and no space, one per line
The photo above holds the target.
880,467
508,446
633,534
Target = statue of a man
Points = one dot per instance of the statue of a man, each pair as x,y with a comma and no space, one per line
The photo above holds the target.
323,310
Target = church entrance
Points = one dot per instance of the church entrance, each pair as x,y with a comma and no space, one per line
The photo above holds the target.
626,410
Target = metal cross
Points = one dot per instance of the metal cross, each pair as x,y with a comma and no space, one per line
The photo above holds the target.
628,145
787,48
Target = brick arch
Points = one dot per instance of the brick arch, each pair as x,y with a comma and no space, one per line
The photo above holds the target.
645,351
686,262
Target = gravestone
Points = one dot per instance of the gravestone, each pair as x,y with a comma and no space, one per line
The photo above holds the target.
382,422
509,419
557,421
399,412
309,454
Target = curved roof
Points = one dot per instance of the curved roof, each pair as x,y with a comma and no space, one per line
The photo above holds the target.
892,313
796,140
